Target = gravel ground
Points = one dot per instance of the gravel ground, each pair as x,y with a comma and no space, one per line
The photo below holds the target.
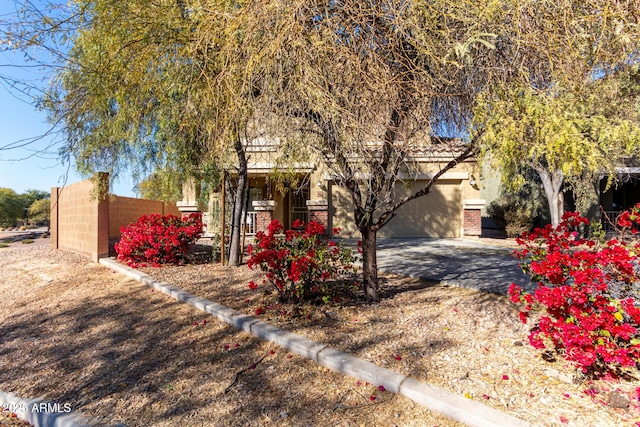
72,331
118,352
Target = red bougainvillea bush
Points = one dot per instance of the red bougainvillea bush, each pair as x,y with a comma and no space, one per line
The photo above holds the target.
156,239
587,293
300,263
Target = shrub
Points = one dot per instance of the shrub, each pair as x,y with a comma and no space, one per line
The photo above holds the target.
587,293
156,239
518,222
510,215
300,263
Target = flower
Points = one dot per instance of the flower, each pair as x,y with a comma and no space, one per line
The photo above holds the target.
381,388
253,285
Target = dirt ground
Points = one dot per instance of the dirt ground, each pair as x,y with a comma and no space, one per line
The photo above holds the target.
72,331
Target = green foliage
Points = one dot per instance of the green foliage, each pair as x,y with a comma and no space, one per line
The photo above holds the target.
124,95
11,207
162,184
560,134
40,210
516,210
552,129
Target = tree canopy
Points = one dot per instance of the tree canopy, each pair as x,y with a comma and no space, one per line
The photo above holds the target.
365,86
574,112
14,206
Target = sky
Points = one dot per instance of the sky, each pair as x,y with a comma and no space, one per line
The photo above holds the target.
35,165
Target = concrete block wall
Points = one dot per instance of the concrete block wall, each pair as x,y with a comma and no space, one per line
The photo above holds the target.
80,223
125,210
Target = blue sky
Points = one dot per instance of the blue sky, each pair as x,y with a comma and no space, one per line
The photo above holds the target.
36,165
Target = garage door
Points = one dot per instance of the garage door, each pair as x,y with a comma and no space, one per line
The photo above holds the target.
438,214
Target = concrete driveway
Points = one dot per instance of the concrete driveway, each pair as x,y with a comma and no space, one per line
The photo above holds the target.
459,262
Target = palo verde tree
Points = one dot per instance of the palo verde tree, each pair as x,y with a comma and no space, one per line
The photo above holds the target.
573,112
162,184
122,95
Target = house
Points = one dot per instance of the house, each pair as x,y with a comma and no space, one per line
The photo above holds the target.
451,210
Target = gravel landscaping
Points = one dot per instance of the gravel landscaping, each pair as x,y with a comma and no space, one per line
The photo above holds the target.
75,332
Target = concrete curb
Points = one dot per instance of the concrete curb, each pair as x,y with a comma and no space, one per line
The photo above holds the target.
459,408
39,412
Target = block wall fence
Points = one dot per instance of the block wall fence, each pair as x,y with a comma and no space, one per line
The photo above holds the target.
84,225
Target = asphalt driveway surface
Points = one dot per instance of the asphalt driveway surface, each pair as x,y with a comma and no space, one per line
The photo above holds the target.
459,262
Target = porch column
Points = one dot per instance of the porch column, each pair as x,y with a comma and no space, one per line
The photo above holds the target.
264,213
472,217
189,203
319,212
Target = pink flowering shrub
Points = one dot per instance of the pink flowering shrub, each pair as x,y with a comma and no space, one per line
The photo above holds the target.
587,293
155,239
299,263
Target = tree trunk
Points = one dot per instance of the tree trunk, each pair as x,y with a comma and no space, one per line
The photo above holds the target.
552,184
238,205
369,264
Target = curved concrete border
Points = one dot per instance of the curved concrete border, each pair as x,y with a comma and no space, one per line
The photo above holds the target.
40,414
459,408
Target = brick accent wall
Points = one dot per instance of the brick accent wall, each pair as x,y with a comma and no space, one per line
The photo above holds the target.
472,222
319,212
263,219
320,216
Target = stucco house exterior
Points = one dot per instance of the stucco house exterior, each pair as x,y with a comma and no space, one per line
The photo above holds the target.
452,209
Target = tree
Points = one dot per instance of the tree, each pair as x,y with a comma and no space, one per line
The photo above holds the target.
28,197
574,113
165,185
367,85
133,95
558,135
363,86
40,210
11,207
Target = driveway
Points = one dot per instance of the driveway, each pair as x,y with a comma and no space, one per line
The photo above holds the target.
459,262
